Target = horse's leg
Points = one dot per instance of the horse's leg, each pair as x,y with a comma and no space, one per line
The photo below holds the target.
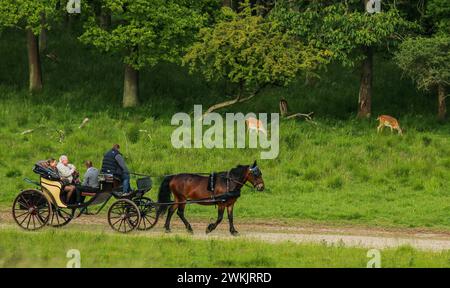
213,226
180,213
169,216
233,230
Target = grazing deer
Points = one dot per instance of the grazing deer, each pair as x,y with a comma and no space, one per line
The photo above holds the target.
255,125
283,107
388,121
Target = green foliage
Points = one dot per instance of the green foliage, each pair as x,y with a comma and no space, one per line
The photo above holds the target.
249,49
438,12
26,13
133,134
145,32
426,60
342,27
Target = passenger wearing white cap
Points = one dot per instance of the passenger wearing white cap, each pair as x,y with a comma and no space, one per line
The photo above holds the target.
65,169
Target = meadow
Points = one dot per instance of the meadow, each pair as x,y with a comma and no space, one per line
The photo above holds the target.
180,251
338,171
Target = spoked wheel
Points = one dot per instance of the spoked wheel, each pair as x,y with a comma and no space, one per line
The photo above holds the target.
124,216
61,216
148,213
31,210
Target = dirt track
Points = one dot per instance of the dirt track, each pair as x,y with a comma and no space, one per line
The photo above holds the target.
273,231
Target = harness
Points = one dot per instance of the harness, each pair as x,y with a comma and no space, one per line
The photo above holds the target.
236,193
212,184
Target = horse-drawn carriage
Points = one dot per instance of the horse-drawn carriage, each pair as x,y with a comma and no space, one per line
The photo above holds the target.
36,208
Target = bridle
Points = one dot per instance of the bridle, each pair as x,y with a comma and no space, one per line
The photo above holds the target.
254,171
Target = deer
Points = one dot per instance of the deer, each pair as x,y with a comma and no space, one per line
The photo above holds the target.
388,121
255,125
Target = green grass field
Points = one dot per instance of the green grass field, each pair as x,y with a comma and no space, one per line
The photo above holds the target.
107,250
339,171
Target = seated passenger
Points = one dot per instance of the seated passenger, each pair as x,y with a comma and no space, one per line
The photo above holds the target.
65,171
91,175
49,164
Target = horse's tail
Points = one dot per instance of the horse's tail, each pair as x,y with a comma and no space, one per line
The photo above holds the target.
164,195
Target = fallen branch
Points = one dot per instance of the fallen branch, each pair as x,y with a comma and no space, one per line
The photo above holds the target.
31,130
307,117
27,132
85,121
238,99
227,103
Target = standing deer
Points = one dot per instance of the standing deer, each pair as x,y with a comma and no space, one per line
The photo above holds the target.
255,125
388,121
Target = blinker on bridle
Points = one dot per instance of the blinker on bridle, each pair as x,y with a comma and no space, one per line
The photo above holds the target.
255,171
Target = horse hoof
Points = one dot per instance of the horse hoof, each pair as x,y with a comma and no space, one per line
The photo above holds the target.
210,228
190,231
167,231
234,233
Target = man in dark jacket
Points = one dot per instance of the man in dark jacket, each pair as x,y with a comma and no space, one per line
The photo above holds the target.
113,163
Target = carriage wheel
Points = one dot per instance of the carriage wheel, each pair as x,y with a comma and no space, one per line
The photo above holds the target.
148,213
31,210
61,216
124,216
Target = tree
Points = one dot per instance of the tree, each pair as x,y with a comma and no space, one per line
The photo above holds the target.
249,51
27,14
437,12
348,31
145,33
427,62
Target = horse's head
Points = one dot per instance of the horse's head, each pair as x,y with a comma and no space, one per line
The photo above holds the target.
255,177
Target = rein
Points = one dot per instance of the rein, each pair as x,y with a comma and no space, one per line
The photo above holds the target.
227,177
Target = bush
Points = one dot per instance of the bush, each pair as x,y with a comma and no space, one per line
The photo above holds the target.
133,134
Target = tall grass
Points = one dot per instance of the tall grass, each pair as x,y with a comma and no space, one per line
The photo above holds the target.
49,249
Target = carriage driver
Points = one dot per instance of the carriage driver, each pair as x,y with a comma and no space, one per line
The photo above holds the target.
113,163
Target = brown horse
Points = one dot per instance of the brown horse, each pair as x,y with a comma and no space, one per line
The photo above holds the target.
193,187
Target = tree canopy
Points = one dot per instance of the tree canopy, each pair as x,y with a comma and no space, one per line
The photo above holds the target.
146,32
250,50
426,60
26,13
342,27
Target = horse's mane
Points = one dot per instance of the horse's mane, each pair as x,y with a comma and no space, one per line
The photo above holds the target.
238,172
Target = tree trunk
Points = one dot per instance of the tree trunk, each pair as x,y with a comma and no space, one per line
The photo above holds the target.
365,89
131,87
105,19
34,62
43,35
442,107
227,3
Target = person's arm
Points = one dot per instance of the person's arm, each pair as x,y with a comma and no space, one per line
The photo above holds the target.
86,179
72,168
121,163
